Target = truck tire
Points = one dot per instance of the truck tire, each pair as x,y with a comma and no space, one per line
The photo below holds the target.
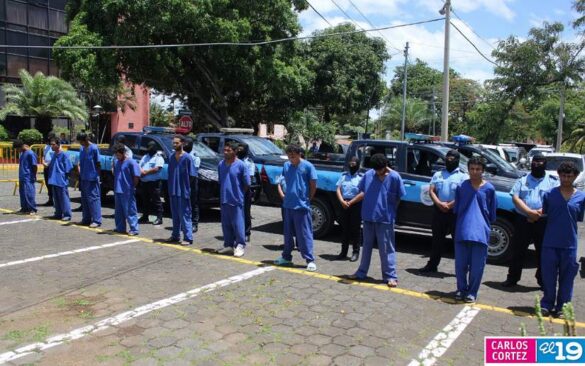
500,246
322,216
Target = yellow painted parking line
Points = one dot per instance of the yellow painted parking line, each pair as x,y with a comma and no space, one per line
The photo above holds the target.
380,287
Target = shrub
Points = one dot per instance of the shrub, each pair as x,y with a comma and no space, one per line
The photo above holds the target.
30,136
3,134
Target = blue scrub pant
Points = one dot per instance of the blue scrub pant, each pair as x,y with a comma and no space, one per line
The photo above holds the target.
61,203
470,259
181,212
558,264
299,224
91,202
383,234
125,209
26,190
232,225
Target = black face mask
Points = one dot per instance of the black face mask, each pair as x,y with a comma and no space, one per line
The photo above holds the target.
241,155
152,151
353,169
537,171
452,165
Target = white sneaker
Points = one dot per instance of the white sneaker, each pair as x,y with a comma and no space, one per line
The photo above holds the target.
240,250
311,267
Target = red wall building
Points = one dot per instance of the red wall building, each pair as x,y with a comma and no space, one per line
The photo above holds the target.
129,120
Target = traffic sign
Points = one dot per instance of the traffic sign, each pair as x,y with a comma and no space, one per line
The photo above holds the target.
185,124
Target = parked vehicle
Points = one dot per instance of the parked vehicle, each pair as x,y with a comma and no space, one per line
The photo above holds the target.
544,150
553,160
416,163
517,156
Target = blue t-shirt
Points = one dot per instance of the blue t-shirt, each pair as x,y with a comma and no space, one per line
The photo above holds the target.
124,173
180,173
196,163
561,226
446,183
233,180
89,159
531,190
149,162
381,198
59,169
475,211
27,162
349,184
48,154
297,180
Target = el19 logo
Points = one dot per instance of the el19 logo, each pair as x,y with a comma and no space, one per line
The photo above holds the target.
560,350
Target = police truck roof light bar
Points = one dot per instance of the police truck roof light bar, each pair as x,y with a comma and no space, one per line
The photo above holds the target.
232,130
463,139
420,138
154,129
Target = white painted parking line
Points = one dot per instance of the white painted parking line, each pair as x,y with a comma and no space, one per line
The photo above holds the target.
123,317
17,221
69,252
439,345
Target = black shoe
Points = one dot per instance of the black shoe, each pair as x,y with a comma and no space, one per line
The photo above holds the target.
354,256
545,312
341,256
143,220
78,209
48,203
509,283
157,222
428,269
172,240
195,228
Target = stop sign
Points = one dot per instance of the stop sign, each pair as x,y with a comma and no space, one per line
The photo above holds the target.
185,124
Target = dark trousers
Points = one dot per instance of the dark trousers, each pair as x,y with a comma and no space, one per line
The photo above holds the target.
443,225
525,234
248,211
351,220
195,203
151,199
49,187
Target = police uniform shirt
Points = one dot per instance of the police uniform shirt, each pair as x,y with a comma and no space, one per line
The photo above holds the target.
149,162
381,198
48,154
196,163
349,184
251,167
89,158
446,183
531,190
297,179
561,228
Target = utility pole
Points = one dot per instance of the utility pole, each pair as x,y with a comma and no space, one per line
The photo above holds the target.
434,112
561,118
446,10
404,81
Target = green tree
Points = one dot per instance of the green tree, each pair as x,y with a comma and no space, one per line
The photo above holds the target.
43,97
305,126
417,115
30,136
422,79
159,116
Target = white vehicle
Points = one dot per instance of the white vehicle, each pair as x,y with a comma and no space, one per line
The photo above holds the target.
553,160
544,150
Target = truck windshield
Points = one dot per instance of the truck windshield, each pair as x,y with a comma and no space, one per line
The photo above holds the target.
200,149
259,146
553,162
497,159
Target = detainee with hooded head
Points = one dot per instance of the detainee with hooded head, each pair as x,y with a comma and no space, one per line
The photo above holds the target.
563,206
126,178
27,176
381,189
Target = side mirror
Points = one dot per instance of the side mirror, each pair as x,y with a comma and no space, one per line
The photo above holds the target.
491,168
523,161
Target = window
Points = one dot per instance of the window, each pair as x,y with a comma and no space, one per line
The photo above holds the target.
2,8
36,64
57,21
58,4
15,12
34,40
37,17
423,162
365,154
144,145
15,63
212,142
16,38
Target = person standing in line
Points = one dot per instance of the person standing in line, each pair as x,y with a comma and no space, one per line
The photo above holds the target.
59,170
27,176
234,182
475,210
243,155
442,193
89,182
351,219
179,184
151,165
564,206
190,148
301,185
381,190
47,156
63,139
126,178
127,151
529,223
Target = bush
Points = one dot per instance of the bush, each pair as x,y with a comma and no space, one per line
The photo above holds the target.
3,134
57,131
30,136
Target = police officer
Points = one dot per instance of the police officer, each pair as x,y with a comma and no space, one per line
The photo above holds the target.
243,155
150,169
527,195
47,156
442,193
190,148
347,189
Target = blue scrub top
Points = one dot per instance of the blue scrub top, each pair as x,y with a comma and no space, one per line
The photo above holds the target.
381,198
233,180
127,153
48,154
297,180
180,172
280,180
531,190
561,226
59,170
349,184
149,162
196,163
89,159
27,161
446,183
475,211
124,173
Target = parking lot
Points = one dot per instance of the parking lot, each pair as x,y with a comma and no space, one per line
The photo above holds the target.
71,295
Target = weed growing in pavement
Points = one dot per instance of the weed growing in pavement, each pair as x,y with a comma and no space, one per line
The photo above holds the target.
36,334
544,329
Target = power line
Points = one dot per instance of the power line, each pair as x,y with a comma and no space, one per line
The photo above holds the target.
470,28
238,44
372,25
345,13
471,43
322,17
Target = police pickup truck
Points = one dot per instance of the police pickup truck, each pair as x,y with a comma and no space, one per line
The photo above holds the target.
416,163
163,138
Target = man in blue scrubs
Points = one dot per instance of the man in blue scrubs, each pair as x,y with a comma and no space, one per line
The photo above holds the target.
126,178
27,176
47,156
475,209
234,183
351,216
194,183
442,192
59,170
121,139
181,173
564,206
301,185
381,189
243,151
89,182
529,223
151,165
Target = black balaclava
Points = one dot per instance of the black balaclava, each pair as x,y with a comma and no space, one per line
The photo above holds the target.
538,170
452,164
151,148
242,152
354,165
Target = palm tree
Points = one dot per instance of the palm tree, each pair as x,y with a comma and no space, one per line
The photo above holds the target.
577,138
416,117
43,97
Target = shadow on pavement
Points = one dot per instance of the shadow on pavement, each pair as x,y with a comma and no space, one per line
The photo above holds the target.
518,288
439,274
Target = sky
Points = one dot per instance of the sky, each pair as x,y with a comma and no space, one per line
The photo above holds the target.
484,22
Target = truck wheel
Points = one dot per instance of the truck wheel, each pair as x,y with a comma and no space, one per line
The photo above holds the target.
322,216
500,246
